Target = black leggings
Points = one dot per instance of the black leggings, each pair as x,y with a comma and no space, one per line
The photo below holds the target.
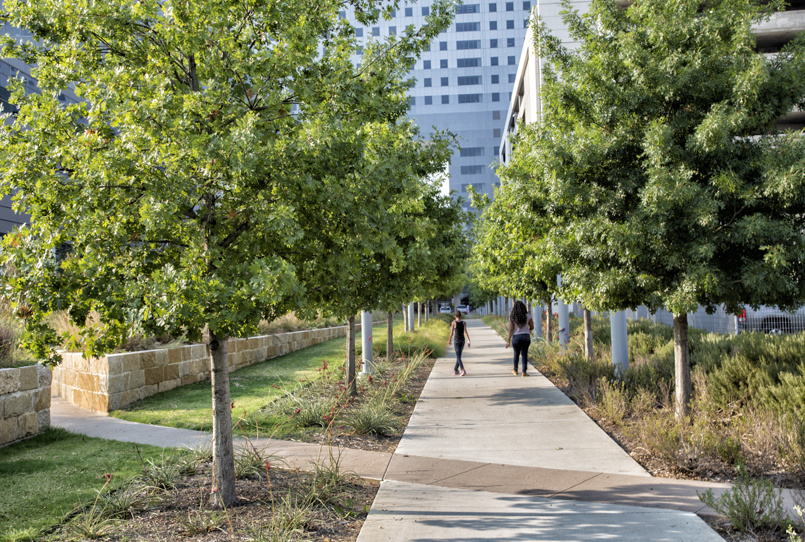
459,346
520,344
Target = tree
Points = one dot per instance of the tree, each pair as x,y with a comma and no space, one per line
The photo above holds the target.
656,172
174,181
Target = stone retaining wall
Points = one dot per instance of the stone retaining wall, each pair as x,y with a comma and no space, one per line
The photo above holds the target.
24,402
117,380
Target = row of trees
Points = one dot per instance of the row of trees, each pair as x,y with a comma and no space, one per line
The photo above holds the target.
227,163
657,174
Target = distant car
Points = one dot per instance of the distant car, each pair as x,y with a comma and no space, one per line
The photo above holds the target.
464,308
771,320
445,310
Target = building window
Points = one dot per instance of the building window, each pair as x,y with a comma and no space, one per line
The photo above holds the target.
493,25
468,8
472,170
478,187
412,100
393,14
467,27
509,6
469,80
493,44
495,79
425,11
510,24
472,151
509,42
468,44
469,98
496,132
443,46
468,63
445,82
511,78
428,82
409,12
495,116
494,61
392,31
342,15
426,64
525,23
496,96
527,6
375,30
495,151
445,99
443,63
359,32
493,8
511,62
428,100
359,50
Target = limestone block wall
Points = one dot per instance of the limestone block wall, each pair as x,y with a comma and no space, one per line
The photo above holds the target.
117,380
24,402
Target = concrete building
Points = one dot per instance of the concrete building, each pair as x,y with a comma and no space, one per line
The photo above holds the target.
463,82
524,104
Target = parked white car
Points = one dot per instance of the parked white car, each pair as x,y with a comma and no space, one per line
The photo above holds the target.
445,310
771,320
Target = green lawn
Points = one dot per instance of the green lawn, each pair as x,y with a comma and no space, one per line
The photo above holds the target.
45,477
251,388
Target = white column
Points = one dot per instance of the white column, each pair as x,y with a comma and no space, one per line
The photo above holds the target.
536,315
620,340
367,353
564,318
411,316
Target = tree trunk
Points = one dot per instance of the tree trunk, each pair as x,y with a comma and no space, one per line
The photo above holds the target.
588,334
223,454
549,322
389,335
682,366
418,314
406,324
350,370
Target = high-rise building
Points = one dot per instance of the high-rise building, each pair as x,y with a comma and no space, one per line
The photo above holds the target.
464,82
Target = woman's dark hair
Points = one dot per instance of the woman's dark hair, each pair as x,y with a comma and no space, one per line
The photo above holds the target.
519,314
458,315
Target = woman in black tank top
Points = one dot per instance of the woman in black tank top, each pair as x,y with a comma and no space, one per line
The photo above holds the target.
459,327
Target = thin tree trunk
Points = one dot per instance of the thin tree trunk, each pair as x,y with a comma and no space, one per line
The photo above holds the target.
588,334
223,454
549,322
406,323
682,366
350,371
419,314
389,335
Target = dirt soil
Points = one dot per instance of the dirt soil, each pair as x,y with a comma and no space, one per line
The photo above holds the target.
187,511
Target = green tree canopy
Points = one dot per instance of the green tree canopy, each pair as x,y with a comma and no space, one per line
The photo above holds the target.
656,173
175,181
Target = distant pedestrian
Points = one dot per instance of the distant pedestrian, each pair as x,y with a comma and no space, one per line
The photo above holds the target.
520,327
459,327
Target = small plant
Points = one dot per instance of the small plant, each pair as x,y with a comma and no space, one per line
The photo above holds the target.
313,413
93,522
162,475
22,535
372,417
286,524
329,482
125,502
792,534
202,521
753,504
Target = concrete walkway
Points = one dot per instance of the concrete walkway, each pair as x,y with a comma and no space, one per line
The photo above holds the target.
487,456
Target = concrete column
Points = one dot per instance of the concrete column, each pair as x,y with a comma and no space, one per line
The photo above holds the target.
564,318
411,316
536,315
620,341
367,352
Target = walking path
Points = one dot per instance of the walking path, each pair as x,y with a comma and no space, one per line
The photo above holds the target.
487,456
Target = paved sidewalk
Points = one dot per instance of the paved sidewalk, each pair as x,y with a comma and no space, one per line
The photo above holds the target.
487,456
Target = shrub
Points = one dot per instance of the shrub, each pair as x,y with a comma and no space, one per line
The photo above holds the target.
751,505
372,417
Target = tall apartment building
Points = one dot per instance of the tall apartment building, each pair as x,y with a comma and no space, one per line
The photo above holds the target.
464,82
